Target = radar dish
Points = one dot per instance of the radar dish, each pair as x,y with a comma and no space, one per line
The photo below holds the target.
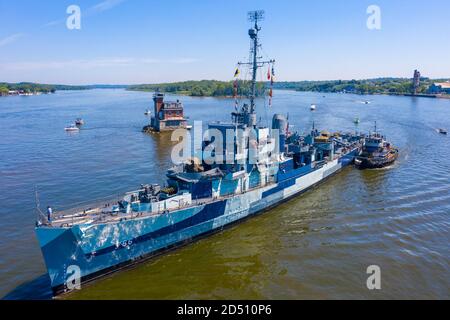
257,15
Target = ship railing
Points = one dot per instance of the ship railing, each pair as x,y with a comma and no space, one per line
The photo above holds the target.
84,210
76,214
41,219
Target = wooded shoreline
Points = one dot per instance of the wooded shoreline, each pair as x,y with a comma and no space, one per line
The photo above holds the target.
225,89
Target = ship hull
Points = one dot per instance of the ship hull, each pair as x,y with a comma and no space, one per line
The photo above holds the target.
98,250
370,163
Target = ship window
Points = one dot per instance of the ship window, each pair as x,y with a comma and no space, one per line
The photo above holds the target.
172,123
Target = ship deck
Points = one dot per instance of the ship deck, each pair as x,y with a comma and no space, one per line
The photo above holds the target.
101,212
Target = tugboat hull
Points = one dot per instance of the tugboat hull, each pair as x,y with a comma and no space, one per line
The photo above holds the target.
376,163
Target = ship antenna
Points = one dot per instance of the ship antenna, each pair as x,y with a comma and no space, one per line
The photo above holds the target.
254,16
37,202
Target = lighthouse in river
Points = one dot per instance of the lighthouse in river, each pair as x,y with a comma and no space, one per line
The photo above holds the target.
167,115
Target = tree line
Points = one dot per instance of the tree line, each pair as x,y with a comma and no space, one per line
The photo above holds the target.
369,86
30,87
202,88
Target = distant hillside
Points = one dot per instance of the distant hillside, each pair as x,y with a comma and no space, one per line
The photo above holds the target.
214,88
203,88
368,86
32,88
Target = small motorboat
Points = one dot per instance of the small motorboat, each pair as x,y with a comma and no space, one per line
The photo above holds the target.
79,122
189,127
72,128
356,121
366,102
313,107
147,112
442,131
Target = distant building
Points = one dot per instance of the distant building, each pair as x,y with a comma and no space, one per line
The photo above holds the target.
439,87
416,81
167,115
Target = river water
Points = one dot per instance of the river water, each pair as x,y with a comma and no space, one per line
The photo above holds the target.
315,246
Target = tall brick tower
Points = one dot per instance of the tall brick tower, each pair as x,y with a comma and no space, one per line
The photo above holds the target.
416,81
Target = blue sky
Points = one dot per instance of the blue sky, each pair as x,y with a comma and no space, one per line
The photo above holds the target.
149,41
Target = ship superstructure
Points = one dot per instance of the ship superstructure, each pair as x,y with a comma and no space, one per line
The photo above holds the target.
249,170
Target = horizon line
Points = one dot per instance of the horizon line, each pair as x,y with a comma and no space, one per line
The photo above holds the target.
181,81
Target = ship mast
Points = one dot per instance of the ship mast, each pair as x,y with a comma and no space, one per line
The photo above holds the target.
253,33
254,16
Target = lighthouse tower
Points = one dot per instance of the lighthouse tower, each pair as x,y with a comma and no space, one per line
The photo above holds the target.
167,115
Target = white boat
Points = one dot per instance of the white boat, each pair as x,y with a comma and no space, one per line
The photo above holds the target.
147,112
79,122
72,128
313,107
188,127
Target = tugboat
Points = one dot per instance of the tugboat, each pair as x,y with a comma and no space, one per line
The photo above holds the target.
376,153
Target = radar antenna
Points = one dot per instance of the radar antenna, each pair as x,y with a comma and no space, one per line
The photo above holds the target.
254,16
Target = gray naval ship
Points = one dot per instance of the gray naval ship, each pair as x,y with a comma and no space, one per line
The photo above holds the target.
264,167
